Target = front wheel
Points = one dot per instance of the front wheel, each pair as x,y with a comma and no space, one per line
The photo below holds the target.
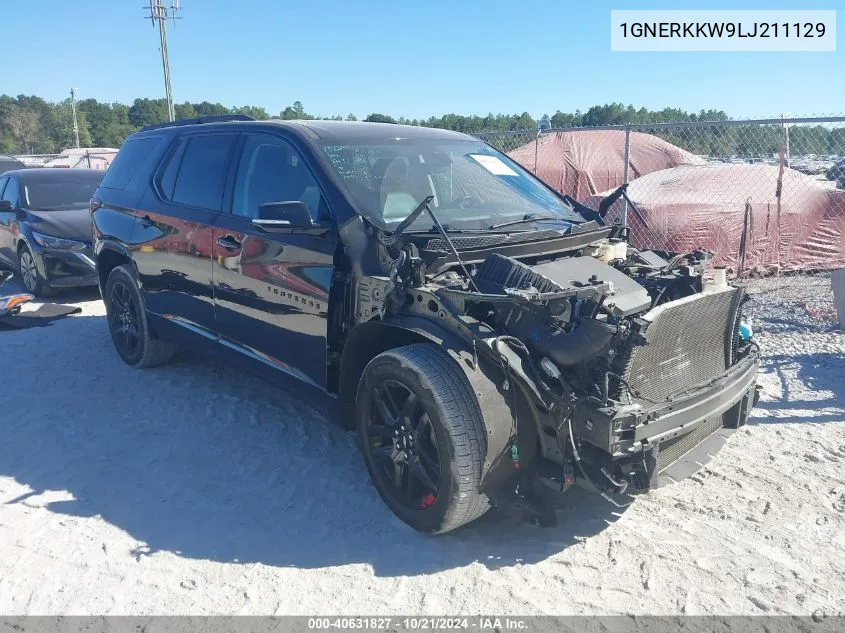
422,436
32,280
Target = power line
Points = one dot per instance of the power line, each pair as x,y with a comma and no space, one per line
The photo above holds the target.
159,13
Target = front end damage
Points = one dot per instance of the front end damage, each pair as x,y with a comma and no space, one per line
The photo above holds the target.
594,363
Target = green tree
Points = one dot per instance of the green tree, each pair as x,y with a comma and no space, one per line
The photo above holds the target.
57,126
295,112
566,119
147,112
24,127
256,112
380,118
184,111
29,124
210,109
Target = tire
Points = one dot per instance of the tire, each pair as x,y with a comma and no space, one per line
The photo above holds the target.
441,412
128,324
32,279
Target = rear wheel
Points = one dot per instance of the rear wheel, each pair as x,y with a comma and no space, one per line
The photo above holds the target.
127,319
422,437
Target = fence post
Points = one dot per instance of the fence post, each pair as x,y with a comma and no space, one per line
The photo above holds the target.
786,138
625,178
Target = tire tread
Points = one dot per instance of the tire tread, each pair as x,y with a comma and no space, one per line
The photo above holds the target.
451,390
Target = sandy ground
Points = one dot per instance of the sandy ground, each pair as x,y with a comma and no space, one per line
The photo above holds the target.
196,489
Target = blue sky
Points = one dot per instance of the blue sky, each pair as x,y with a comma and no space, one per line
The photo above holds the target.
400,57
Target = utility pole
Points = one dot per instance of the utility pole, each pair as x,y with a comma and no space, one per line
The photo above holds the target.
159,13
73,109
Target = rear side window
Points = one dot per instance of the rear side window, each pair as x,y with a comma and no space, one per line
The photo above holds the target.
195,174
128,162
167,181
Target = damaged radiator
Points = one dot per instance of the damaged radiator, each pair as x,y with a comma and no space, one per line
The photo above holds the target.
684,344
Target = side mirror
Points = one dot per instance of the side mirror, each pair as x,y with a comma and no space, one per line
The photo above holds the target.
5,205
291,214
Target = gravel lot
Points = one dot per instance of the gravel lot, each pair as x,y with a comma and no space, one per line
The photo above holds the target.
196,489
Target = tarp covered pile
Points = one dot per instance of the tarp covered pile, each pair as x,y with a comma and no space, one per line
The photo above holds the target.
704,206
584,162
690,203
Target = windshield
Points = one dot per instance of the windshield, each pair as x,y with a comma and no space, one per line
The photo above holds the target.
62,190
473,185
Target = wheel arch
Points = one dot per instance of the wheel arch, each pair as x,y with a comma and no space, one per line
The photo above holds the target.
107,258
371,338
486,379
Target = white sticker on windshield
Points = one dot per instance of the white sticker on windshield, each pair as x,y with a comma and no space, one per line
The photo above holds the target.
493,164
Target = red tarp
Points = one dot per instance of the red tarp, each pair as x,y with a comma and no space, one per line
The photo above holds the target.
584,162
704,207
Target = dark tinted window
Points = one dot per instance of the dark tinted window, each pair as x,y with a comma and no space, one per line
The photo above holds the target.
271,170
64,189
128,162
201,175
168,177
10,193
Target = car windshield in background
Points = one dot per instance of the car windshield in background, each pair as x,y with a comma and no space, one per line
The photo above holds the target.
473,185
64,190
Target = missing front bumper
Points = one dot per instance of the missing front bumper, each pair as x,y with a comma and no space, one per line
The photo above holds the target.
680,457
670,441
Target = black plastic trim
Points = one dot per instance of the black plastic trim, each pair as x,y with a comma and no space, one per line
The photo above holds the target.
211,118
684,415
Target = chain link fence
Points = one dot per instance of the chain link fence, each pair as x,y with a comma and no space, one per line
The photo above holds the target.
74,158
766,196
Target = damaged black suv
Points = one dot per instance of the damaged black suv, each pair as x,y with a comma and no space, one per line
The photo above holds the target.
493,341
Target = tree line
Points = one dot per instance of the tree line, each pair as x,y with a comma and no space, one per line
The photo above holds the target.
32,125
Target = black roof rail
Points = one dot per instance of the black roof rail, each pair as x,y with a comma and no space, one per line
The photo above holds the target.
211,118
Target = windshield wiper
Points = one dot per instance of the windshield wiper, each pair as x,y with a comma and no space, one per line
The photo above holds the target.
528,217
392,238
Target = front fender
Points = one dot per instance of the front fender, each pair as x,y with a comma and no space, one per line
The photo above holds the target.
496,396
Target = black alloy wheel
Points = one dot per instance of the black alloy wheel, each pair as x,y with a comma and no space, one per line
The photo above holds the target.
134,340
422,436
123,320
403,445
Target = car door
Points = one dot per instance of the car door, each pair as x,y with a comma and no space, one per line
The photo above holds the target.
271,289
8,228
173,238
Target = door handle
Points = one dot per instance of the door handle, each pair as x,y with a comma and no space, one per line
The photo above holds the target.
228,242
147,222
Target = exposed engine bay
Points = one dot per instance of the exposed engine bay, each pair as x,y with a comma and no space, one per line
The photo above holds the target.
595,363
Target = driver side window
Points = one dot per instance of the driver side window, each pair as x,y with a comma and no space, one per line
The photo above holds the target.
10,192
271,170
